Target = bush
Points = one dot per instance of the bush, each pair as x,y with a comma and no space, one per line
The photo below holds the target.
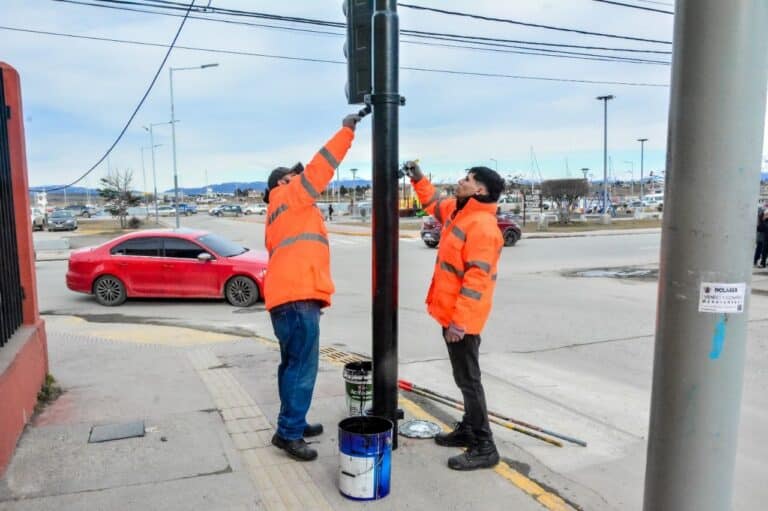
134,223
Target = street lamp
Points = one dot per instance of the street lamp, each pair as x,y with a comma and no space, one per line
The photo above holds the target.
173,135
584,171
631,173
354,173
152,145
144,176
496,162
642,147
605,100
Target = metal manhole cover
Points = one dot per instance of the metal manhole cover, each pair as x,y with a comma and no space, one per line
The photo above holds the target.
110,432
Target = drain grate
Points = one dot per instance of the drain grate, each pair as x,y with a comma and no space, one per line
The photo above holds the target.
330,354
109,432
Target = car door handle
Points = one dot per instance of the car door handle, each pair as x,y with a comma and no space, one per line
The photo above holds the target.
122,264
167,266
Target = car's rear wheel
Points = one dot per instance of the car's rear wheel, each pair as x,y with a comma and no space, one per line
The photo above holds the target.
241,291
431,244
109,291
510,238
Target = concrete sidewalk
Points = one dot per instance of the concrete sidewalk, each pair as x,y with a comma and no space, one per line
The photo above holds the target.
209,403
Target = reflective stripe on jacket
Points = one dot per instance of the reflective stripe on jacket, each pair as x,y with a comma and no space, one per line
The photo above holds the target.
464,278
295,236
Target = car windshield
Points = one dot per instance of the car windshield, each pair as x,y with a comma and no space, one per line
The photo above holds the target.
61,214
222,246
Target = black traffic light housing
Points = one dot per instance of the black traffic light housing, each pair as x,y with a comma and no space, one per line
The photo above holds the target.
357,49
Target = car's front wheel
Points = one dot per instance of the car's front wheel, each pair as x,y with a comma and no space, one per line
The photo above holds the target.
241,291
109,291
430,244
510,238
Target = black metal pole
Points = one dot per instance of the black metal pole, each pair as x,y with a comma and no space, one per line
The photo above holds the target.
386,102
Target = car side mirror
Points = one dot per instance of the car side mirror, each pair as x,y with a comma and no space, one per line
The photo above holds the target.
204,257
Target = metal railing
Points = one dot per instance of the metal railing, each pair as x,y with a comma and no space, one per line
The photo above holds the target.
11,293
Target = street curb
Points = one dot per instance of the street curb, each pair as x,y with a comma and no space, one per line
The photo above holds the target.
589,234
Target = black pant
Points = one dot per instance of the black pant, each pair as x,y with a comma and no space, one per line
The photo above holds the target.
761,251
465,361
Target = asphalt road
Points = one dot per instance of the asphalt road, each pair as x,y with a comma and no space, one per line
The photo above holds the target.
570,354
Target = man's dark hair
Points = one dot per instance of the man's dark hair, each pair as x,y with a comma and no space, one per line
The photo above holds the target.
493,182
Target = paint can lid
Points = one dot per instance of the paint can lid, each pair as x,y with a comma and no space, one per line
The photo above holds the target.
419,429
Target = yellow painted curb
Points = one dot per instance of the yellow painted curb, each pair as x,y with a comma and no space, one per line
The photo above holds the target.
543,497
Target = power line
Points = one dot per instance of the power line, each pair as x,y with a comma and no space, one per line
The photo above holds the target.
328,61
135,111
621,4
527,24
340,25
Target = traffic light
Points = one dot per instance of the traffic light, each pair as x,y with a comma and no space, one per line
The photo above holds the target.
357,49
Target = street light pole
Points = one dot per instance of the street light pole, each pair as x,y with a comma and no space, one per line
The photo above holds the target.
585,170
716,123
154,173
144,179
173,135
354,173
496,162
605,100
642,147
631,173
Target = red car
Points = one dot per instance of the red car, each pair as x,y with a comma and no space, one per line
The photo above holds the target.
169,264
431,228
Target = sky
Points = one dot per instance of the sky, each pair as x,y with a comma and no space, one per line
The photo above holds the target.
239,120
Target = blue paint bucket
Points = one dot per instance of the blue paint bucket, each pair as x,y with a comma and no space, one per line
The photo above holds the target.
365,457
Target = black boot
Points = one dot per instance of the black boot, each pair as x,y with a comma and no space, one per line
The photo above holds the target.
313,430
461,436
296,449
481,455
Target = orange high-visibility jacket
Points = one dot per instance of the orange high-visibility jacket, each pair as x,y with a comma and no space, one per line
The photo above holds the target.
464,278
299,265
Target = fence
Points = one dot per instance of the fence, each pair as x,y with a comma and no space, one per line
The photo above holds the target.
11,293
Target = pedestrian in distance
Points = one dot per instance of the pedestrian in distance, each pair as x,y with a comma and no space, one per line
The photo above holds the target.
298,283
761,245
330,212
460,297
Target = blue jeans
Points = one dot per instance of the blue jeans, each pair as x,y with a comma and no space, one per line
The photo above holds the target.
297,327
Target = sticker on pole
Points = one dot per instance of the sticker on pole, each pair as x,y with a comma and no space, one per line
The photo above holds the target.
722,298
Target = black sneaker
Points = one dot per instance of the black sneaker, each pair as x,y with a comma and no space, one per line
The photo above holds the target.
296,449
461,436
313,430
481,455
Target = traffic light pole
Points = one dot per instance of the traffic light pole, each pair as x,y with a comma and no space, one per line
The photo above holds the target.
716,122
386,103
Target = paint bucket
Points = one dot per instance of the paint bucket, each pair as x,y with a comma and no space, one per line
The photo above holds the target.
359,387
365,457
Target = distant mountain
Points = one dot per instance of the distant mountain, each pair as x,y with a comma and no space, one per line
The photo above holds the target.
259,186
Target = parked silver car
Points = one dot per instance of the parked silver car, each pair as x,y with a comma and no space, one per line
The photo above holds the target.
38,219
62,220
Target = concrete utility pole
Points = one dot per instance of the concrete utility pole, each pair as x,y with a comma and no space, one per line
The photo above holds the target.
354,181
605,100
716,122
642,147
386,103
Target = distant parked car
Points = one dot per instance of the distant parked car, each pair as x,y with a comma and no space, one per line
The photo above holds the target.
255,209
228,210
38,219
168,263
62,220
510,230
80,210
187,209
166,211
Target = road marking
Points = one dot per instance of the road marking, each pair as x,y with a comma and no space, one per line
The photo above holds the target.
543,497
549,500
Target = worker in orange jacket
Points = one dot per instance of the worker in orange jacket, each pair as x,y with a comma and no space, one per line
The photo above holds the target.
298,283
461,294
